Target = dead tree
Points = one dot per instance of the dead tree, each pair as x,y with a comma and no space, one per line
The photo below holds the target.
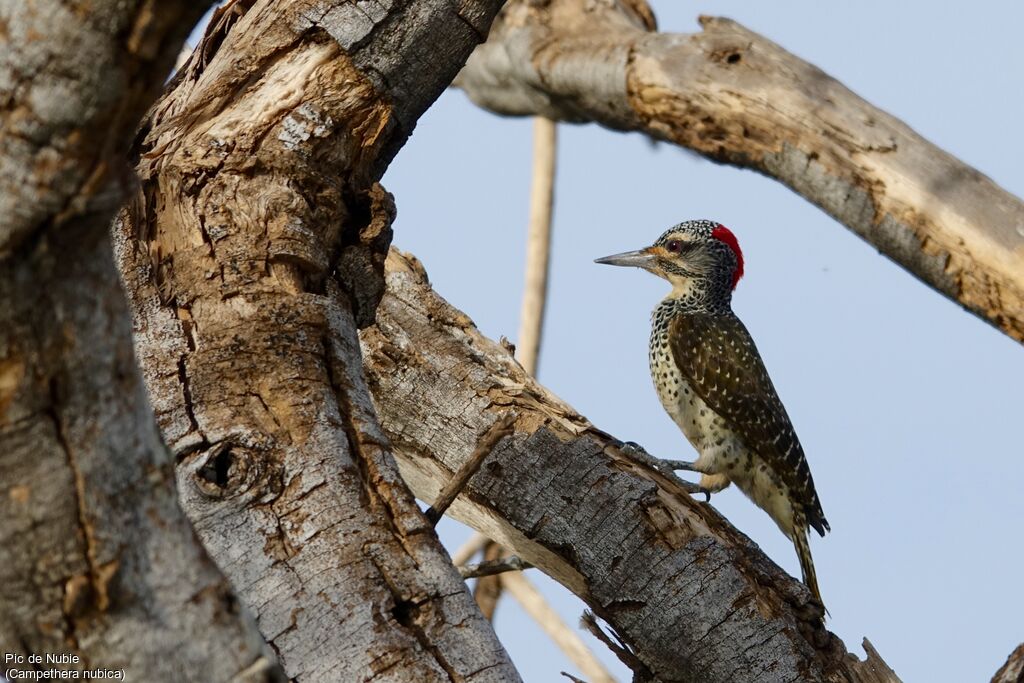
97,561
693,598
254,247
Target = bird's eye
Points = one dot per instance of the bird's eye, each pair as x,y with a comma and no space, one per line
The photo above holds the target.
675,246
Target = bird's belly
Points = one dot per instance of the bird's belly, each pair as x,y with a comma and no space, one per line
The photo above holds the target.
720,450
766,490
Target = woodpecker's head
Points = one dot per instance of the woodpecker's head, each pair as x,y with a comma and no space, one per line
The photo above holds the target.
700,258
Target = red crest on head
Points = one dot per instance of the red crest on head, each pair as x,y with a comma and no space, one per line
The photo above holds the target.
724,235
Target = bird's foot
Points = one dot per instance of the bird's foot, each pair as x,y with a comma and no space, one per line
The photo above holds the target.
697,490
632,448
668,467
689,467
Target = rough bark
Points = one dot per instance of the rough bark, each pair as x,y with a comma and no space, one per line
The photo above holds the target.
76,78
737,98
96,559
1013,670
694,598
255,248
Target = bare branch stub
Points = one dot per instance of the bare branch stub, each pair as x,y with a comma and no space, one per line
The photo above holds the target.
641,673
501,428
494,567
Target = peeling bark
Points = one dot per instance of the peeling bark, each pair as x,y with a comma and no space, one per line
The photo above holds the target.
694,598
254,250
737,98
96,559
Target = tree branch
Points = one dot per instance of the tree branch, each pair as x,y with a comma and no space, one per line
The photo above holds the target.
737,98
693,597
493,567
98,560
564,636
538,243
253,251
501,428
1013,670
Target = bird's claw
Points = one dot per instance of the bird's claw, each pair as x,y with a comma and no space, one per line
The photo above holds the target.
631,448
668,467
695,489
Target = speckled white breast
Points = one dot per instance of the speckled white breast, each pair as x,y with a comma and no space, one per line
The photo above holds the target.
720,450
698,422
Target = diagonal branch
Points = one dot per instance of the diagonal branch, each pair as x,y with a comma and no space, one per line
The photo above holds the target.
737,98
501,428
1013,670
693,598
563,635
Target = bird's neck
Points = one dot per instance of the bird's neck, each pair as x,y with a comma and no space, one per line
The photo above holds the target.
693,295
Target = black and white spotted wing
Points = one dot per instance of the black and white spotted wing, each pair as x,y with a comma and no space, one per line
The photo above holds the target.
717,355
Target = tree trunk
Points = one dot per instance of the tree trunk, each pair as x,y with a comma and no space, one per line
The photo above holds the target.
98,563
254,250
693,597
737,98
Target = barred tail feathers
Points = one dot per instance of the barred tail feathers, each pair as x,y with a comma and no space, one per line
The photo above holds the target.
803,551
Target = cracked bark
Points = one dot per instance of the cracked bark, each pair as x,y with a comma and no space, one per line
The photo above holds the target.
737,98
96,558
254,249
694,598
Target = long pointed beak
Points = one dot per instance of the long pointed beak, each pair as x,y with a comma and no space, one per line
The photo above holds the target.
637,259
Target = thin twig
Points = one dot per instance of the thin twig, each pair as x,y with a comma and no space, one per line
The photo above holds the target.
513,563
568,641
497,431
487,591
538,243
467,550
618,648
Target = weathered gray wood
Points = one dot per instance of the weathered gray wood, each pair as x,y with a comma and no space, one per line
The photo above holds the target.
694,598
736,97
96,559
76,78
254,249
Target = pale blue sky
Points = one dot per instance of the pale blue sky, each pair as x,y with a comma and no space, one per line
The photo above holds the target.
909,409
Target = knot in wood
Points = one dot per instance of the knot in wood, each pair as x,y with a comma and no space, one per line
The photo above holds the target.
229,470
